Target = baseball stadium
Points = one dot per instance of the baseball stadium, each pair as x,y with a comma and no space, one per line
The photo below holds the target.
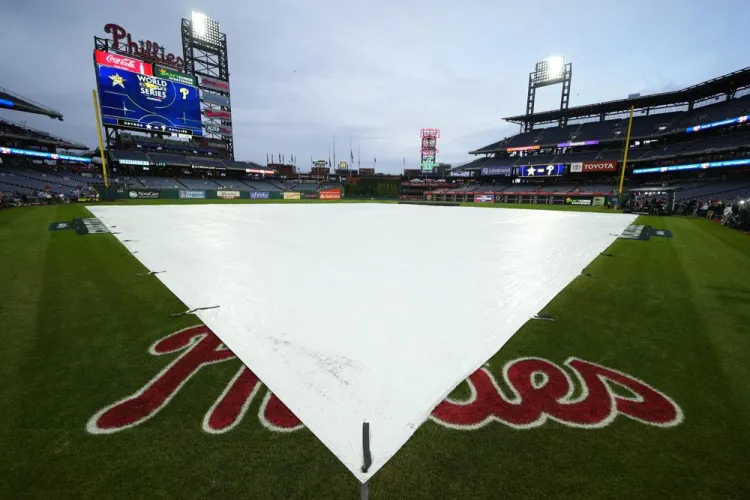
563,315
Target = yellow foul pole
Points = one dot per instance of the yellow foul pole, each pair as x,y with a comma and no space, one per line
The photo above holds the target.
101,142
625,156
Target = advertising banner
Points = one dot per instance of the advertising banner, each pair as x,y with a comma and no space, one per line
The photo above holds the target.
225,130
577,143
217,99
192,195
310,195
124,63
140,163
523,148
599,201
217,113
210,128
214,84
143,195
600,166
228,195
291,196
148,103
576,168
578,201
553,170
504,170
174,75
330,194
484,198
42,154
259,195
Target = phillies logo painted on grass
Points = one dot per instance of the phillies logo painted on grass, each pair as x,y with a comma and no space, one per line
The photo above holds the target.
539,390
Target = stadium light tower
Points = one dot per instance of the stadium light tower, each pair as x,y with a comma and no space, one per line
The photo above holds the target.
204,49
550,71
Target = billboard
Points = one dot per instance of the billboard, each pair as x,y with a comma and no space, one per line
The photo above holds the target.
343,165
144,195
578,201
192,195
259,195
483,198
214,84
330,194
576,143
148,103
225,130
216,99
42,154
552,170
523,148
291,196
217,113
174,75
228,195
728,121
598,166
504,170
694,166
121,62
576,168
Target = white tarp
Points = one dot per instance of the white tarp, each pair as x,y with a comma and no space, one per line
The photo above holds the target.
366,312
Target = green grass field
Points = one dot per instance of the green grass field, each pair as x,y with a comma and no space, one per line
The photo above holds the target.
77,321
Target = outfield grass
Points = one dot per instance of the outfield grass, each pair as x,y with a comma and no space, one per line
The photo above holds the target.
76,322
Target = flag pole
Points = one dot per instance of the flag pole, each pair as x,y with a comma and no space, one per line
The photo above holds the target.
625,155
101,142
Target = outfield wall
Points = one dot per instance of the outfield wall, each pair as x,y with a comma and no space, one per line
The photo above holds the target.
581,199
119,193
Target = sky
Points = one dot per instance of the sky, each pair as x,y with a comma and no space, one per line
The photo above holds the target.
302,72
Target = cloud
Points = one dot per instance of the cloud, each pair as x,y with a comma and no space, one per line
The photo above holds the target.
378,72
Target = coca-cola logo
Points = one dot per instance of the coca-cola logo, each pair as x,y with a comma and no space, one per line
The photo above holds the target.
122,42
539,390
121,61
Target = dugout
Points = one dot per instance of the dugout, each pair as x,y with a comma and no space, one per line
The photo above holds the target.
652,200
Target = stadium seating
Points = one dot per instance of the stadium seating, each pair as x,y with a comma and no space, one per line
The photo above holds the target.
261,185
198,183
159,182
234,184
32,183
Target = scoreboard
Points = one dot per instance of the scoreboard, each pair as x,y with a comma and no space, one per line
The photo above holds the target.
550,170
148,103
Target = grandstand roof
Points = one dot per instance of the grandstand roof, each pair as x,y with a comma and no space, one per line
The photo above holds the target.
21,131
704,90
11,100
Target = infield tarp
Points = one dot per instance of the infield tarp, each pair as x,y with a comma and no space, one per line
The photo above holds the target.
335,371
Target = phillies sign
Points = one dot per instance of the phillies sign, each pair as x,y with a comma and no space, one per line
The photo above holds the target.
538,390
599,166
122,62
123,43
